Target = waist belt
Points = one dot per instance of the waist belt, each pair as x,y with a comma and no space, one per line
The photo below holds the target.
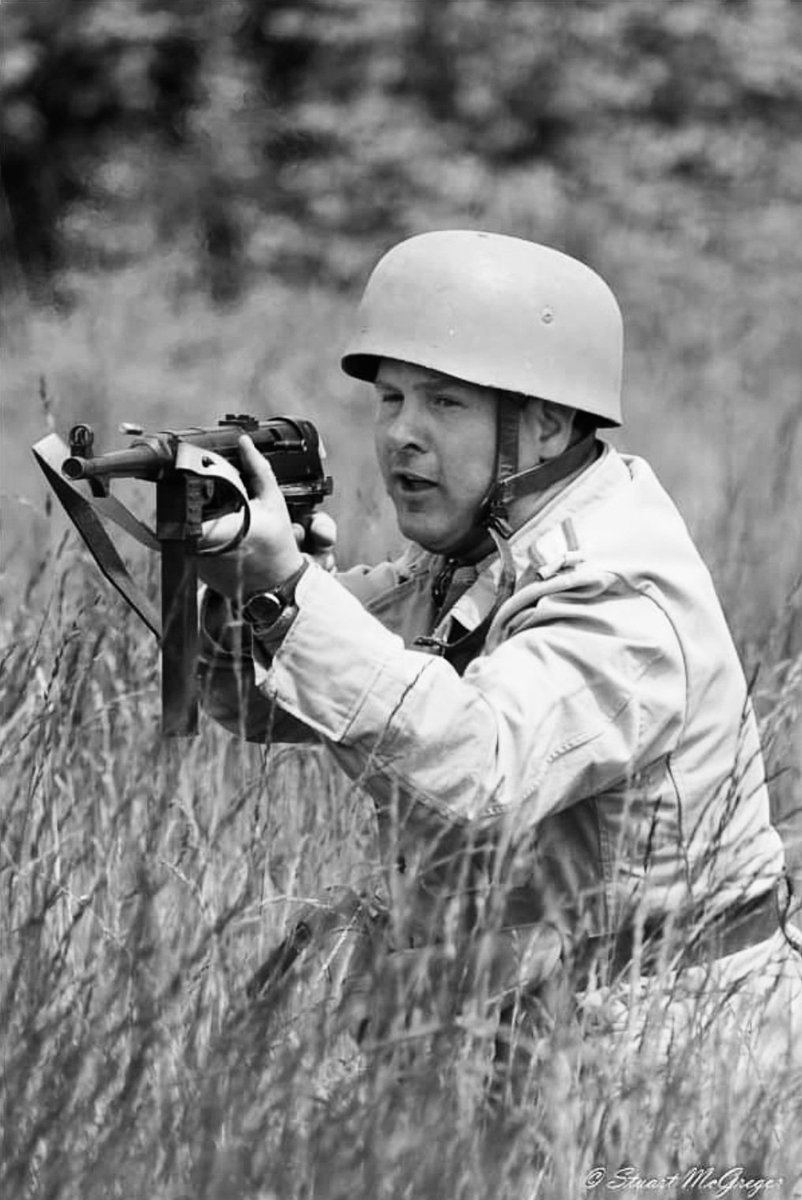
686,944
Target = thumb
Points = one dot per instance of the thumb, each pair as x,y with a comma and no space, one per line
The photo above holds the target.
257,470
323,531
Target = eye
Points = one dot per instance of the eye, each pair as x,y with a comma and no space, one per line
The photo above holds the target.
445,401
389,397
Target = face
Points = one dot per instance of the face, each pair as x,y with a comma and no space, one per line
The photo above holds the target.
435,441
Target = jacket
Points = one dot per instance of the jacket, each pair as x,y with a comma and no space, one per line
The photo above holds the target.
602,741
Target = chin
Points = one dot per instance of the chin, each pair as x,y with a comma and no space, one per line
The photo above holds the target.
420,535
432,540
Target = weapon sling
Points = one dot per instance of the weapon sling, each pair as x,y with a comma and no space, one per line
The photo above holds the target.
178,527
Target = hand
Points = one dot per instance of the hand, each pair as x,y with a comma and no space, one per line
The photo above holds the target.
269,553
318,540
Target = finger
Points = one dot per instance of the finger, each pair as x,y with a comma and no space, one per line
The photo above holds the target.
323,531
299,533
257,469
220,531
326,560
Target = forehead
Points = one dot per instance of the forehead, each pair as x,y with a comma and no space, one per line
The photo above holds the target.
394,373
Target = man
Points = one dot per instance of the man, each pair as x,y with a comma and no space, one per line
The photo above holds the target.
541,695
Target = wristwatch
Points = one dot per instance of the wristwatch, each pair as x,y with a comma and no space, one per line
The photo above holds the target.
263,611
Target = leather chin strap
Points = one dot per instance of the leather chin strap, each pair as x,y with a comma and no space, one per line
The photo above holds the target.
493,530
512,484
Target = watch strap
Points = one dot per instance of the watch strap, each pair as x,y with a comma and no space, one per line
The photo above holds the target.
283,596
286,589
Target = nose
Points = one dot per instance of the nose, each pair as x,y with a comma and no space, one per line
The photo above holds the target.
406,428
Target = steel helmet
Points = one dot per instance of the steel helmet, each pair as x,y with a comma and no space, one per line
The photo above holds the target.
496,311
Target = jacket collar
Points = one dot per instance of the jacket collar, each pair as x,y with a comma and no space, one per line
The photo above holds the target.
544,541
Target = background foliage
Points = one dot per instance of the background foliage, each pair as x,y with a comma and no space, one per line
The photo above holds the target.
300,135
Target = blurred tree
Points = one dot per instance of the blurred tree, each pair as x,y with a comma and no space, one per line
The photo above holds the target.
431,71
298,135
79,78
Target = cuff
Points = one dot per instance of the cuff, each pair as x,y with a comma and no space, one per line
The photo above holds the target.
330,661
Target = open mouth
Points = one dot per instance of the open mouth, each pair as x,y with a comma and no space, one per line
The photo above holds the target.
407,482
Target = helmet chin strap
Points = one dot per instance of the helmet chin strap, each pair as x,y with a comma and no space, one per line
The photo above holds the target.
511,484
492,528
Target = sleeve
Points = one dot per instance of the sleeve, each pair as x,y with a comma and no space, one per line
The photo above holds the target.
226,678
226,663
588,689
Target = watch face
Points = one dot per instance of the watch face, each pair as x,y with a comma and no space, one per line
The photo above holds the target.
263,609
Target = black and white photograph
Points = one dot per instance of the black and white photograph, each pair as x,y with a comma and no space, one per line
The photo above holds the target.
400,599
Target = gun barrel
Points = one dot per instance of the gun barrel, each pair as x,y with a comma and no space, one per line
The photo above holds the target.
291,444
145,459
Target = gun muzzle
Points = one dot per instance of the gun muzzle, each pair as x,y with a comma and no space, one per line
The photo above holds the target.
145,459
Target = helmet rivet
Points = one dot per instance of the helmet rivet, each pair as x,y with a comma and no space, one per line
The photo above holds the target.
547,316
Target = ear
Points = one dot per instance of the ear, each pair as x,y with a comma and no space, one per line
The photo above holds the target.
546,428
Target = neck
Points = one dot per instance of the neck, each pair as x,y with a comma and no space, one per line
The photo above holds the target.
542,484
475,546
526,487
523,509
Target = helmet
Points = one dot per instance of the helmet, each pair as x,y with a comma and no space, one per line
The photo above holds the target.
496,311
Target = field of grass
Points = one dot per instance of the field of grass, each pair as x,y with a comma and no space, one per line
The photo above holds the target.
142,882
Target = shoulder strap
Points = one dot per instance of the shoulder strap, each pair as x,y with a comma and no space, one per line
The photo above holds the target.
85,515
462,650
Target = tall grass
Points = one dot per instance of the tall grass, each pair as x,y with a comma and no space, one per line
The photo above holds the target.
142,882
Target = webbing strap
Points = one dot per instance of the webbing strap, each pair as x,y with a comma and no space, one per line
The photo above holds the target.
85,515
507,427
465,646
537,479
111,508
694,944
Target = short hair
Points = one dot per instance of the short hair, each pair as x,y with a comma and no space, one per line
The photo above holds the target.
585,424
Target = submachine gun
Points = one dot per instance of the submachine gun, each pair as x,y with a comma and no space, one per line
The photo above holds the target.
197,480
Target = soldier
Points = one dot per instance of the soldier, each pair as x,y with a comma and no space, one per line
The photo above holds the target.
541,694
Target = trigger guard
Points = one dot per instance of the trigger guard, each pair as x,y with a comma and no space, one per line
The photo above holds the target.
207,464
232,544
